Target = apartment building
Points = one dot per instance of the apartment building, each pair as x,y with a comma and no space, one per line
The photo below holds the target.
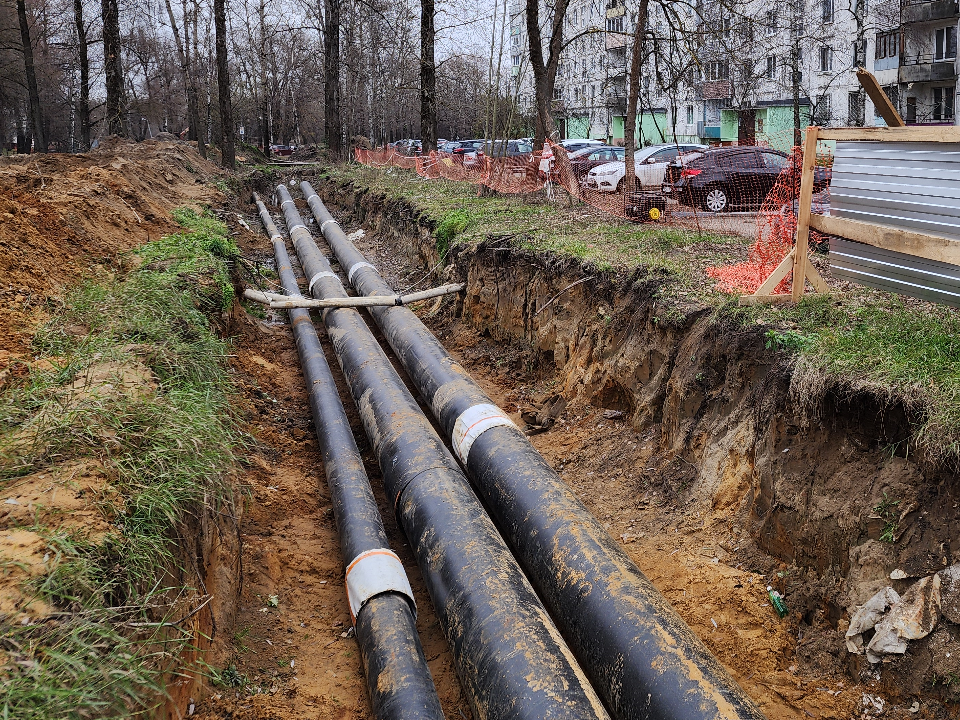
741,72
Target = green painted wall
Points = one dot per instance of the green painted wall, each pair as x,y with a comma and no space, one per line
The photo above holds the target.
617,128
776,121
651,127
729,126
578,127
778,126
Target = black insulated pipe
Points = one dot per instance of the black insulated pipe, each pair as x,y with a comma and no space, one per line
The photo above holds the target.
398,680
509,656
640,655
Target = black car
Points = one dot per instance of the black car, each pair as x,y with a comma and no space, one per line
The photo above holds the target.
723,177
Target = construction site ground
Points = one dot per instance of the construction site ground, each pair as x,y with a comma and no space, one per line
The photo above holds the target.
286,647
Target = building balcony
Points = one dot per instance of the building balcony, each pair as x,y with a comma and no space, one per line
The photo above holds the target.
717,90
925,68
616,103
917,11
616,40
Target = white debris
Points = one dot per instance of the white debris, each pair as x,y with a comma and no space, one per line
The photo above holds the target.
868,616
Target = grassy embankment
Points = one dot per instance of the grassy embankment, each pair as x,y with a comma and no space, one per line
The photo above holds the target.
853,339
129,391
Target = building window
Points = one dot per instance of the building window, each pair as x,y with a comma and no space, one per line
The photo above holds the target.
827,7
911,110
855,109
822,112
615,25
770,22
516,61
859,53
727,28
946,43
887,46
689,114
943,103
718,70
771,73
826,59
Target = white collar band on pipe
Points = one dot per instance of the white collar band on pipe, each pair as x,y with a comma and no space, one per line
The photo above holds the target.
356,267
472,423
327,222
297,227
317,277
375,572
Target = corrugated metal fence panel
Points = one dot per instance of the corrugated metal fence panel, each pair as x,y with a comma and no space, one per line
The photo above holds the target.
910,185
875,267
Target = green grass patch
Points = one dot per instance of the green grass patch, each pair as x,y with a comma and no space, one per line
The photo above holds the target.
857,338
139,386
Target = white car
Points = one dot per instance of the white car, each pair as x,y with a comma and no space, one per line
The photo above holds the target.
651,164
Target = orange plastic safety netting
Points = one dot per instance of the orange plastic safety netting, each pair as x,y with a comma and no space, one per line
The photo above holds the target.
751,192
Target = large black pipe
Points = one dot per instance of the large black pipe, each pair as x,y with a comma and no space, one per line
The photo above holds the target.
641,656
509,656
398,679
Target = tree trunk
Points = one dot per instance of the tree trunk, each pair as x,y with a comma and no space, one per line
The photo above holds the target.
83,105
428,77
544,73
265,97
201,111
332,129
633,95
228,151
112,67
36,117
183,54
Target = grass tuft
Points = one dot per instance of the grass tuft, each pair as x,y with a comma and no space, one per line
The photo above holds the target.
138,385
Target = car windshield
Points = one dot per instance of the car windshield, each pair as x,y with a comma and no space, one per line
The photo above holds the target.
775,161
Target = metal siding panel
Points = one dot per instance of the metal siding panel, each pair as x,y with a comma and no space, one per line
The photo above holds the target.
915,186
895,272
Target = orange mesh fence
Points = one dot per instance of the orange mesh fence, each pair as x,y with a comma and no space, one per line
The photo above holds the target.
741,190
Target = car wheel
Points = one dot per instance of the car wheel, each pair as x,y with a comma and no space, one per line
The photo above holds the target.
715,200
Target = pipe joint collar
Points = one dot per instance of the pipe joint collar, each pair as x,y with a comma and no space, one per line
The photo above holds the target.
316,277
356,267
472,423
372,573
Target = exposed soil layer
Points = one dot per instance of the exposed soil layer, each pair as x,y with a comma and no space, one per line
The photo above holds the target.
720,473
61,216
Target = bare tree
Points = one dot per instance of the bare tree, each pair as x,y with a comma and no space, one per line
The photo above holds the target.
633,93
227,149
428,76
112,67
36,117
544,73
332,128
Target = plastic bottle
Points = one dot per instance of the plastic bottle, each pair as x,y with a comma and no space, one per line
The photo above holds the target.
777,600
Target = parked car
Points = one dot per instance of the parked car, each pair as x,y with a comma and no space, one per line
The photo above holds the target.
571,145
650,163
589,157
507,148
724,177
281,150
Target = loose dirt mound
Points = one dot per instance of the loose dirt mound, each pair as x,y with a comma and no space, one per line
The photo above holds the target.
63,214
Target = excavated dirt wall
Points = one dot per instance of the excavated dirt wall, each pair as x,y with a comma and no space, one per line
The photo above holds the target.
802,472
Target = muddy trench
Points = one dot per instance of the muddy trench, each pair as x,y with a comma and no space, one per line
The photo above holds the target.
684,434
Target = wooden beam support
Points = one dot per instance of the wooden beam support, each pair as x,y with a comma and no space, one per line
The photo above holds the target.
800,259
931,247
779,273
881,102
911,133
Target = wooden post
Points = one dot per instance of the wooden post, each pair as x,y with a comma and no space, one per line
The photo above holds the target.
881,102
800,259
